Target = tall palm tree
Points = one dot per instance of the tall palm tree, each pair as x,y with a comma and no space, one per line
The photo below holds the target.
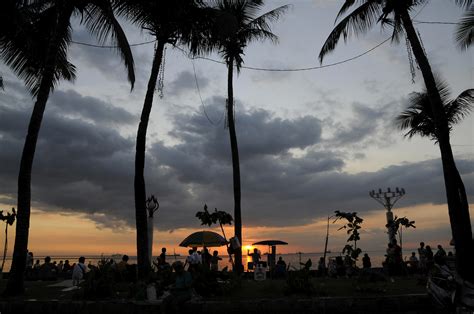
239,24
418,119
465,29
40,59
396,13
9,219
170,22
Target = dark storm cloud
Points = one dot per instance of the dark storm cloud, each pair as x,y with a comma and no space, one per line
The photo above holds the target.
367,125
185,81
90,108
83,165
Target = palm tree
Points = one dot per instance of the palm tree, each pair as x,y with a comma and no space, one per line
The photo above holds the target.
465,29
238,24
9,219
418,117
40,59
396,13
170,22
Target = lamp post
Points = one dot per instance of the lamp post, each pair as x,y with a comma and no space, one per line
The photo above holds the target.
152,206
327,239
388,199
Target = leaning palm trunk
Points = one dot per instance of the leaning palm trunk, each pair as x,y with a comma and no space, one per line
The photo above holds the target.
143,258
15,284
235,165
456,195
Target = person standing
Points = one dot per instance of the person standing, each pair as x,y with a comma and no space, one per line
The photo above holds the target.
366,264
162,257
422,257
79,271
440,256
215,261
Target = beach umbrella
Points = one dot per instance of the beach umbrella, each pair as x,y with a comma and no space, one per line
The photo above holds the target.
271,244
203,238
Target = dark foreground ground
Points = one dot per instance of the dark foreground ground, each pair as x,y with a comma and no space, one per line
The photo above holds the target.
405,295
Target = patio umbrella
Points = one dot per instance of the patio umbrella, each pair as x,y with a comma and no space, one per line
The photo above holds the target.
203,238
270,242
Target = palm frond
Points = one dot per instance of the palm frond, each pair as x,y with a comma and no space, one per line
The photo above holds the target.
102,23
463,3
460,107
347,4
27,56
262,21
357,22
418,117
465,30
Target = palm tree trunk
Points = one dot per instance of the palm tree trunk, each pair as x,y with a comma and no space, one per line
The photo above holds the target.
15,284
235,165
5,247
455,191
143,258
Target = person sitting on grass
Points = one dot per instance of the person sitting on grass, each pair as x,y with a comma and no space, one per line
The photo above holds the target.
47,270
280,269
180,291
366,261
307,265
122,266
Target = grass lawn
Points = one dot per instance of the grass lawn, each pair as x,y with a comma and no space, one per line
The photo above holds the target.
250,289
327,287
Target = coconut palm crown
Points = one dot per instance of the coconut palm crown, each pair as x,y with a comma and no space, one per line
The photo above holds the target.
465,30
418,119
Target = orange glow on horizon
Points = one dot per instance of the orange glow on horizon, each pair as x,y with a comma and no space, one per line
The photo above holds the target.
76,234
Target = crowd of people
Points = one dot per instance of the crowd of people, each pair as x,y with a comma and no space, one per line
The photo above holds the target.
52,270
422,264
202,259
341,266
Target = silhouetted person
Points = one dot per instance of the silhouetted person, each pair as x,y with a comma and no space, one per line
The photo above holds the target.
307,265
181,291
206,259
79,271
440,256
413,262
255,257
123,265
321,267
47,271
429,258
215,261
366,261
422,257
280,268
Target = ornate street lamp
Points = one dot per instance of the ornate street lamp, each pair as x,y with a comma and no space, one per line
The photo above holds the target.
388,199
152,206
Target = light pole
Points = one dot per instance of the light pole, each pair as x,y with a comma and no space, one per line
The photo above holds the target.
152,206
327,239
388,199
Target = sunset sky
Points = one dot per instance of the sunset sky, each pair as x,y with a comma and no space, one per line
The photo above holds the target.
311,142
